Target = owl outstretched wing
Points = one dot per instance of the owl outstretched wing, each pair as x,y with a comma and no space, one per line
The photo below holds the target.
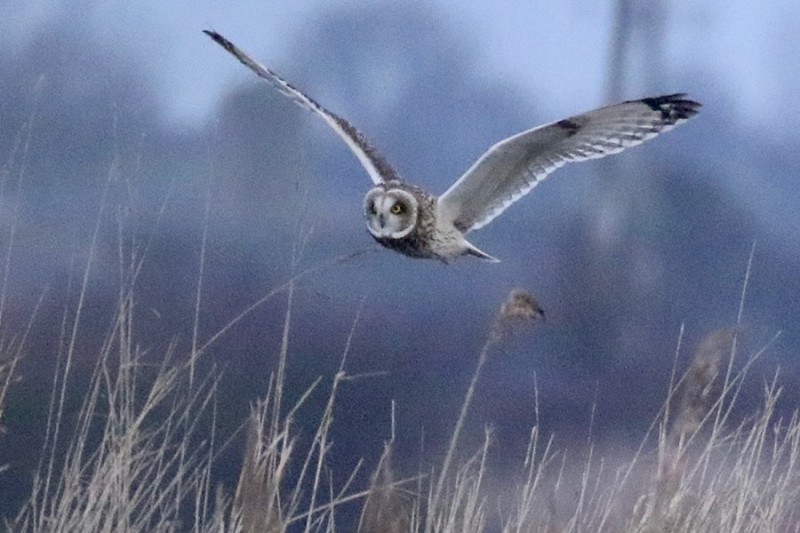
372,161
512,167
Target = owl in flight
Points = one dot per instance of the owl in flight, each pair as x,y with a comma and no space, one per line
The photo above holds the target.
405,218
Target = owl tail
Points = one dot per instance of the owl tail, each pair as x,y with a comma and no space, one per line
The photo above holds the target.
473,250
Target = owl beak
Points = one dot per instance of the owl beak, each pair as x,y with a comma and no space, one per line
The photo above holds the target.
382,220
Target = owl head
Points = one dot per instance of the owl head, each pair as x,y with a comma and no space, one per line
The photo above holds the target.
391,211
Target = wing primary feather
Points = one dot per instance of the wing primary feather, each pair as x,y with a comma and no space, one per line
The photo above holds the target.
373,162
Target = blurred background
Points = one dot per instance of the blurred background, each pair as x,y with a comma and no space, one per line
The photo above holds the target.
124,117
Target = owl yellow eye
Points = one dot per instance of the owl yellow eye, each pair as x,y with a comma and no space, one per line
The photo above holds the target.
397,209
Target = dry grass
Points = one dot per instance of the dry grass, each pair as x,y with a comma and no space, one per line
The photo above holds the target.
133,462
140,455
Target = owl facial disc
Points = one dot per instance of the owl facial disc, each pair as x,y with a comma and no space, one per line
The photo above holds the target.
390,213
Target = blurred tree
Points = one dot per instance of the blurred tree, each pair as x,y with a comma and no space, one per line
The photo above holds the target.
637,51
623,260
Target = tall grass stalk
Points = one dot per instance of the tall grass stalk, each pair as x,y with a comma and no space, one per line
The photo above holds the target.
124,465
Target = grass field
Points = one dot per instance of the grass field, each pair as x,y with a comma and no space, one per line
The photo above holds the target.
141,454
132,463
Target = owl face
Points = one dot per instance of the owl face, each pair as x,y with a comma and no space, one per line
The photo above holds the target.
391,213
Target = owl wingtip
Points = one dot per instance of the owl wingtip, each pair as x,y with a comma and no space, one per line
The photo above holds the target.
673,107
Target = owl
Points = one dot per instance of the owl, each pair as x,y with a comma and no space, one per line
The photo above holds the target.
407,219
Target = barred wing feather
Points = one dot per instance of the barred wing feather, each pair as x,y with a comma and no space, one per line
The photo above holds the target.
372,161
512,167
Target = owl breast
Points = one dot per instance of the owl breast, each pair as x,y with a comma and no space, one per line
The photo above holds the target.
412,246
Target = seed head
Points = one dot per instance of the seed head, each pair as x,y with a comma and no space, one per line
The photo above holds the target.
521,305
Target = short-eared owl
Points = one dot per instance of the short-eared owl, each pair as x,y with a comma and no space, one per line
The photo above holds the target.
405,218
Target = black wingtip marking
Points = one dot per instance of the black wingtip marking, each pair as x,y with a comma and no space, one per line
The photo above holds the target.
673,107
214,35
220,40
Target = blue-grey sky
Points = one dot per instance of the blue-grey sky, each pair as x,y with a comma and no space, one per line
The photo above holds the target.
555,49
